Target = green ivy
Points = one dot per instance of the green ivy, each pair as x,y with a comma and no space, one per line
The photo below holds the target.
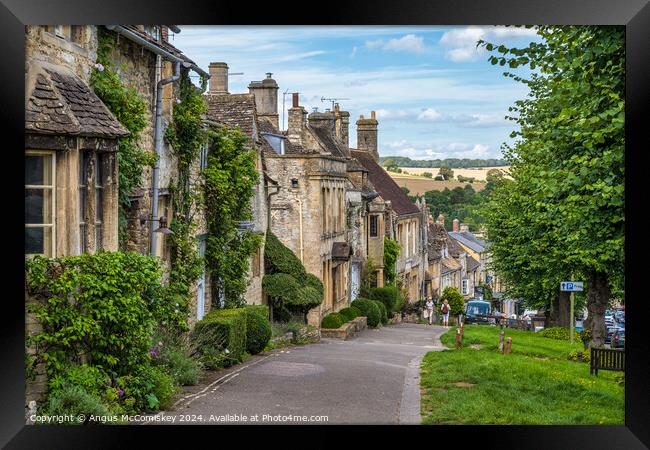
391,252
130,109
186,136
229,183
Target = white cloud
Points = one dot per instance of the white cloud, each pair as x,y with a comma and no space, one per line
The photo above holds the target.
297,56
460,43
392,114
409,43
431,115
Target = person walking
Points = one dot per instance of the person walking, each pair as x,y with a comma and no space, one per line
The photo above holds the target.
429,305
444,309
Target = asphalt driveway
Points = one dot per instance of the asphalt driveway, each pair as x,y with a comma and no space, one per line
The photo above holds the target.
372,378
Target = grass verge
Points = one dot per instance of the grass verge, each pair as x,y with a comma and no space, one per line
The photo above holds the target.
534,385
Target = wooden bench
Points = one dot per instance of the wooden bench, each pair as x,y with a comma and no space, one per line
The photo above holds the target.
606,359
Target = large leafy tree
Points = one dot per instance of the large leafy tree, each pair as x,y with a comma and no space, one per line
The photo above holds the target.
561,216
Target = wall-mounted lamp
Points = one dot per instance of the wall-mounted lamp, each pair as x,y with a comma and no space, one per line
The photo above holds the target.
162,228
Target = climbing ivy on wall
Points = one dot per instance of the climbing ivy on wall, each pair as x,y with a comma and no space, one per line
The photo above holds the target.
129,108
229,185
391,252
186,135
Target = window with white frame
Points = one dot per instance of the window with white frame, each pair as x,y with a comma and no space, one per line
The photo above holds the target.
40,203
465,286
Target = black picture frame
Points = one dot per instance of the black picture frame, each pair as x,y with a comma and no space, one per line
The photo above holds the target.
633,14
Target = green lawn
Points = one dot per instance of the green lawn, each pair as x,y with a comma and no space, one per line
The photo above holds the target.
534,385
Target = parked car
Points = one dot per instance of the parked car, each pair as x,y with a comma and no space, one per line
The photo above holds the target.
610,333
478,311
618,339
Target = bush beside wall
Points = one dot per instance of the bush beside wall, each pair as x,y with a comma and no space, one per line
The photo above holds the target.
220,337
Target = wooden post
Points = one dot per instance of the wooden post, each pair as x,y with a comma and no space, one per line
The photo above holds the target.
508,344
501,336
459,338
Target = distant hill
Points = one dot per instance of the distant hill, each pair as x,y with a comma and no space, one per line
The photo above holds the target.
454,163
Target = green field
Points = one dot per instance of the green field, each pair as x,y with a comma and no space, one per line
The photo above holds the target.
534,385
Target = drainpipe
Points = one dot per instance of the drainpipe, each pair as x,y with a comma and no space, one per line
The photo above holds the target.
300,227
157,146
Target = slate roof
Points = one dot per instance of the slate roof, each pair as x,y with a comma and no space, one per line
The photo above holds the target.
162,44
60,103
449,264
470,240
385,185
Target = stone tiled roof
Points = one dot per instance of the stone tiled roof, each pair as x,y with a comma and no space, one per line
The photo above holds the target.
472,264
355,166
385,185
329,142
290,148
233,110
449,264
58,102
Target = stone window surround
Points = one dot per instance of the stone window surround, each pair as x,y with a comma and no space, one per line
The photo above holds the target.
52,187
66,44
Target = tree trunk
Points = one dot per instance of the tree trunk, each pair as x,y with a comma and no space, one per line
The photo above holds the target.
554,314
598,293
564,310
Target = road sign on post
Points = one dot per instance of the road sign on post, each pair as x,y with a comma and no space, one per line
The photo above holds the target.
571,286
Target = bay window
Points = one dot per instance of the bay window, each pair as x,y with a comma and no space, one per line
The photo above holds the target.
39,203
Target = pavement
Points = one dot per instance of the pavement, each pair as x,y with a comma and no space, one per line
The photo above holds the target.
372,378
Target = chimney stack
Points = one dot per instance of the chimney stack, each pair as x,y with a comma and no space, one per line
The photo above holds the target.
323,120
297,121
367,135
441,219
218,78
464,228
455,225
342,125
266,98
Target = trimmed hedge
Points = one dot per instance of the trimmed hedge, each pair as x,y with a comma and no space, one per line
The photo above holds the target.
390,296
258,328
332,320
369,309
383,310
350,313
220,337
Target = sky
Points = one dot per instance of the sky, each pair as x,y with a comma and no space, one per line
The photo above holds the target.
435,94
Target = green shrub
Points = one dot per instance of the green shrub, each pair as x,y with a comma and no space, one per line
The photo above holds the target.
370,310
90,379
586,355
388,295
455,299
332,320
184,370
350,313
262,310
258,329
220,337
74,400
281,259
559,333
163,389
383,310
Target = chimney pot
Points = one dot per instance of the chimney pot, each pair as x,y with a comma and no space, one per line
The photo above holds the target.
464,227
295,99
269,74
455,224
372,115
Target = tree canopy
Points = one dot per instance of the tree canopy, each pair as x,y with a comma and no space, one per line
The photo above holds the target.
561,216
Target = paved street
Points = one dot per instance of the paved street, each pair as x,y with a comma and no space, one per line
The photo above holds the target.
371,378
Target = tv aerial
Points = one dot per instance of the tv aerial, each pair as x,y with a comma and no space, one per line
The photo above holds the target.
333,100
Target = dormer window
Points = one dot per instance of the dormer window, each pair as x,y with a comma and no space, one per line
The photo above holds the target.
152,31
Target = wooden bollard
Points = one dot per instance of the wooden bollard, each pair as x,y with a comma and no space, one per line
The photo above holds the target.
501,336
459,338
508,344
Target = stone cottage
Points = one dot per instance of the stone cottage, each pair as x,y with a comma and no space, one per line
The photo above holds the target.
402,219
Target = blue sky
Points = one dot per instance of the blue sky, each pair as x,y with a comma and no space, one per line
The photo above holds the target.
435,94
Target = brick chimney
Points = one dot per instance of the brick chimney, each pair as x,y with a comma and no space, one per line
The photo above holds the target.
324,121
367,135
218,78
342,125
456,225
464,227
266,98
297,120
441,219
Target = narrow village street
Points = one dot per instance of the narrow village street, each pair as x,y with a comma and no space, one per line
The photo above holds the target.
373,378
